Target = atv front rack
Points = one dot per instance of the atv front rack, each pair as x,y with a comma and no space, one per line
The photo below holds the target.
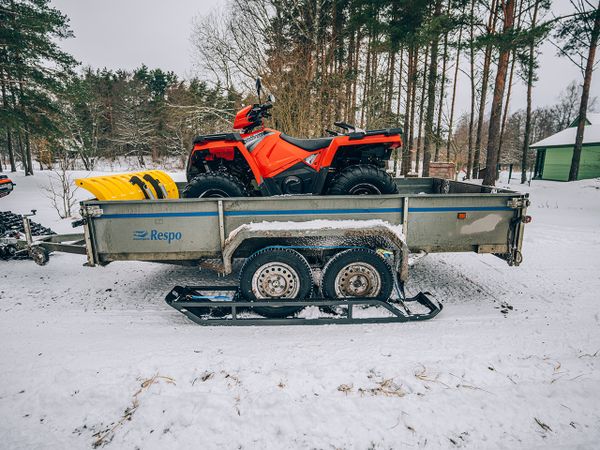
220,309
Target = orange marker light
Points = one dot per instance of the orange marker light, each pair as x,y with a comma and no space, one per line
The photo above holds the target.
461,216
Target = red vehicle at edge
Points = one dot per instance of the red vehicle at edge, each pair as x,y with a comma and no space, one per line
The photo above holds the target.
263,161
6,185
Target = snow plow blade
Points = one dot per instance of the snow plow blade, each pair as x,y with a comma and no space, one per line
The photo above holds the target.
221,305
149,184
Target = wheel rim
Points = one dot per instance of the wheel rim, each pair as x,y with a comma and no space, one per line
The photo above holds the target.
365,189
357,280
214,193
275,280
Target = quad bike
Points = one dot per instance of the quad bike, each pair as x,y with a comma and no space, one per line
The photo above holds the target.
256,160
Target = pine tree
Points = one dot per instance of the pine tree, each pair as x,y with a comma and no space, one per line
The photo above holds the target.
580,35
489,179
33,71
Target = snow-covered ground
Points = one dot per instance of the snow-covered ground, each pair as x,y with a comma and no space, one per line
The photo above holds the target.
93,356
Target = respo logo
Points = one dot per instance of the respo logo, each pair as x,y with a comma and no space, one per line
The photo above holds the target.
155,235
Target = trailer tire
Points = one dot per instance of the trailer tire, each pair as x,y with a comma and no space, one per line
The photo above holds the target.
214,185
278,273
357,273
39,255
362,179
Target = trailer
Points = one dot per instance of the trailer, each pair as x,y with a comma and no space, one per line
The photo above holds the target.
337,255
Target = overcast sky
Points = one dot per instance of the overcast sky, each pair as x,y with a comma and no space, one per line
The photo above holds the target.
127,33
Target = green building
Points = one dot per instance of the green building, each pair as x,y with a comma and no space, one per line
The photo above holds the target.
554,154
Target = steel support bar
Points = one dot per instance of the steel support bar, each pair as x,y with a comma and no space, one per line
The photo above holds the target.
64,248
205,310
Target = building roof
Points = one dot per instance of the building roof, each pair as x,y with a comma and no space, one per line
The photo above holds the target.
591,135
591,119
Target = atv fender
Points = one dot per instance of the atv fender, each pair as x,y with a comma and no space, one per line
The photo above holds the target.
230,146
368,138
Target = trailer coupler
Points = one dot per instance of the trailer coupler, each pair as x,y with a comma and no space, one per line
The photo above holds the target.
221,305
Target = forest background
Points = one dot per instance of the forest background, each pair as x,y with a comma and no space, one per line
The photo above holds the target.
379,63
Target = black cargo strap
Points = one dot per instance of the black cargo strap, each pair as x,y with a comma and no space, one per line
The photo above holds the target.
157,185
135,180
386,132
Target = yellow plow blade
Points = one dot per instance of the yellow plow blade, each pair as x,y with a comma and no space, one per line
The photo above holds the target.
149,184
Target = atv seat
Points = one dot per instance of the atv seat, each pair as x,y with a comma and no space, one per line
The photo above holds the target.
307,144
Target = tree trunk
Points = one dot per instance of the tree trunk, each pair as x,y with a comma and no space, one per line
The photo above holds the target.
452,103
410,110
355,75
421,110
11,152
349,69
473,89
438,128
398,151
484,85
29,167
390,86
9,147
432,80
413,108
496,111
585,94
21,151
365,100
506,105
531,60
509,89
373,86
400,83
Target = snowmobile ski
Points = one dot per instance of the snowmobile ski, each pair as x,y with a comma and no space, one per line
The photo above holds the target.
222,305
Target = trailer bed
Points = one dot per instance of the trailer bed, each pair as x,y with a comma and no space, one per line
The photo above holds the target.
435,215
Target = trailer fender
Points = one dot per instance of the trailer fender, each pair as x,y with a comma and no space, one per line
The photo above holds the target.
324,231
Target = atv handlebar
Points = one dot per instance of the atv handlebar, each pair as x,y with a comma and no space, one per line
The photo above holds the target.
258,112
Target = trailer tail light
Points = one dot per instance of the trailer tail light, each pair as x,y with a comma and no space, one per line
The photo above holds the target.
461,216
527,219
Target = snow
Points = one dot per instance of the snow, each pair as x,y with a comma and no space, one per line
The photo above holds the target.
591,135
324,224
320,224
512,360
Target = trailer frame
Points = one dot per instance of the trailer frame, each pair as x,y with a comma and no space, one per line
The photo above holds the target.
427,215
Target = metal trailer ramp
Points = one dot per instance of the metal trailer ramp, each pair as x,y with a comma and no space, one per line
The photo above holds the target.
205,309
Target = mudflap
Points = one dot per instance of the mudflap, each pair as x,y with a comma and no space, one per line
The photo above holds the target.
221,305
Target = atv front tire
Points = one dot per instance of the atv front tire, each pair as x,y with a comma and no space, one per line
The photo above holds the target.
362,179
214,185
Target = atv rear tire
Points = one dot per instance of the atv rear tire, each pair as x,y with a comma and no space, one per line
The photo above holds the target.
214,185
362,179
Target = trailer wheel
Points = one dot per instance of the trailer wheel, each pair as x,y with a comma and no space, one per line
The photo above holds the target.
357,273
39,255
214,185
276,273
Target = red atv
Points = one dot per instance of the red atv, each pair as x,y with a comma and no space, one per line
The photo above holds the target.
262,161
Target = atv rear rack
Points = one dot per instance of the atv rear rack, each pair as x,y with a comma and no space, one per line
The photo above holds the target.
225,310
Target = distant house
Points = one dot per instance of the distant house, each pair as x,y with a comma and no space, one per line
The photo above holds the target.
554,154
